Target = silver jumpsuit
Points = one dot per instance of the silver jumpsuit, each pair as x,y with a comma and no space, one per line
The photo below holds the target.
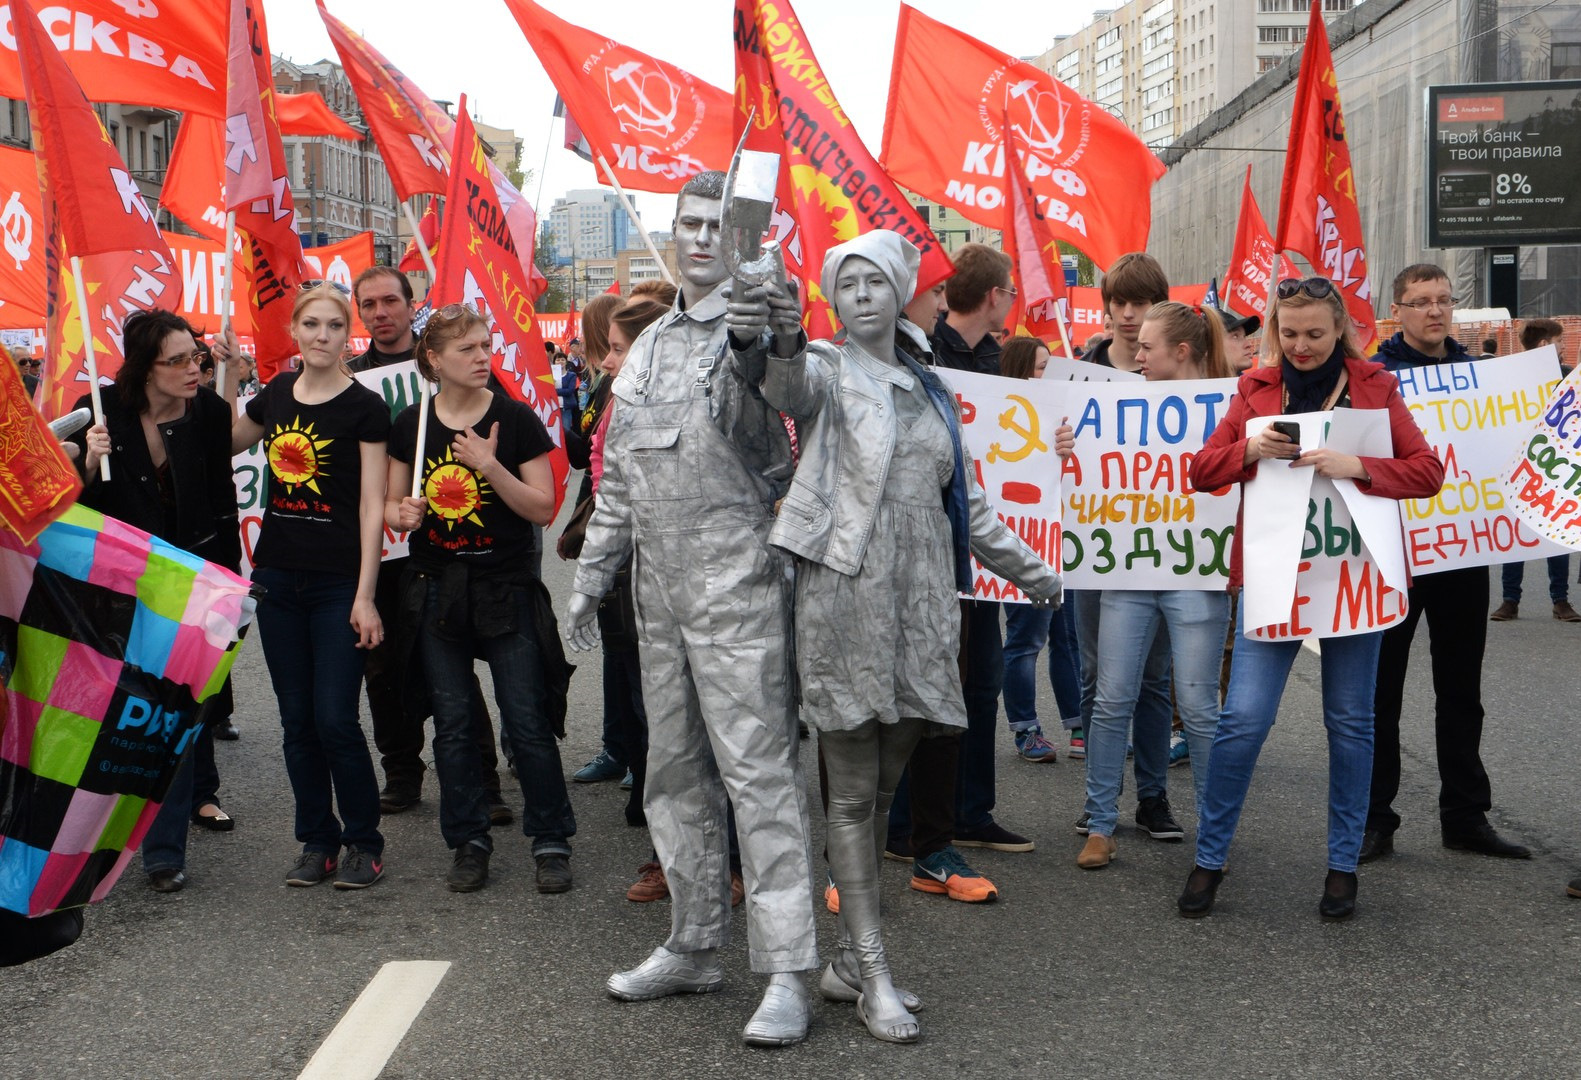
686,463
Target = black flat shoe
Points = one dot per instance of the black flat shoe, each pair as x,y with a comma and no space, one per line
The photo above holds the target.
1197,899
168,880
1375,845
219,821
1339,896
1483,840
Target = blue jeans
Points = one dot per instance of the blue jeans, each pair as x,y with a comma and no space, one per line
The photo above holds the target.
1558,579
1154,716
1195,623
165,843
524,714
1257,682
316,667
984,676
1028,629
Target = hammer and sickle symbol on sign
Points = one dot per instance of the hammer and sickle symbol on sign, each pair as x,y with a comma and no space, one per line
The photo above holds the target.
1031,439
17,225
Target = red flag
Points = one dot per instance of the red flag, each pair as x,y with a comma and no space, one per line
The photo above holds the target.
170,54
1318,215
22,300
614,288
37,481
830,184
1252,260
258,189
92,209
427,235
309,114
1041,301
948,93
480,264
413,133
655,124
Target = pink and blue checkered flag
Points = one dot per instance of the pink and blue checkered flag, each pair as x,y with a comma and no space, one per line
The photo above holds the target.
111,641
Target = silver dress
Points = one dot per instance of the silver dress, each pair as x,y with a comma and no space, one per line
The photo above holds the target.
881,644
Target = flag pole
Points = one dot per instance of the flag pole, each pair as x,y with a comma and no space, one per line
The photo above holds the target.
647,241
1059,317
88,358
424,388
220,371
417,241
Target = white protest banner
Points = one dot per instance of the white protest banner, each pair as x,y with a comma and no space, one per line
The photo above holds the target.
396,383
1311,569
1009,428
1132,518
1064,369
1475,415
1544,481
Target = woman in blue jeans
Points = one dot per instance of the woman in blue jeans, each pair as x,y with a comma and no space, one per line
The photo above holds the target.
1175,342
317,558
1030,627
1318,368
485,483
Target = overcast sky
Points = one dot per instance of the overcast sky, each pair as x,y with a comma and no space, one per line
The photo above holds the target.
475,46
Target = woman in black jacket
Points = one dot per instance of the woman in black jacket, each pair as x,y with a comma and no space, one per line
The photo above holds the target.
169,444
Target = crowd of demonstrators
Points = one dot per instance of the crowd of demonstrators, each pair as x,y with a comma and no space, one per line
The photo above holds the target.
1534,335
168,441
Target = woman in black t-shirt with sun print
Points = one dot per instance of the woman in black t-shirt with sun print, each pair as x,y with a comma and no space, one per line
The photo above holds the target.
486,482
317,557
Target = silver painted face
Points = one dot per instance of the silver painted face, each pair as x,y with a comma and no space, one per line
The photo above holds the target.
697,241
865,300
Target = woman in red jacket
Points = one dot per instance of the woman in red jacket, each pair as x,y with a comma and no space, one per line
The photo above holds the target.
1319,368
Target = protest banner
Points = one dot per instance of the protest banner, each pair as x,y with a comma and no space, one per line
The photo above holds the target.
396,384
1544,481
1009,427
1132,518
117,641
1475,415
1320,558
1086,308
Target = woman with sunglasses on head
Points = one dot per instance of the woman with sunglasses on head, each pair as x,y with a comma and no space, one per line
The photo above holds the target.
485,482
317,558
1318,367
169,444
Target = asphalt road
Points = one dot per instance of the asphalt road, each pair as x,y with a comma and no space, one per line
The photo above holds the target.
1455,965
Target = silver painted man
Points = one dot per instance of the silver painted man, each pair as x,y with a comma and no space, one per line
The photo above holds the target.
693,461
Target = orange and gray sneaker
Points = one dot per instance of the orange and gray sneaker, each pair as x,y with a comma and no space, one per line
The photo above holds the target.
650,884
945,872
831,897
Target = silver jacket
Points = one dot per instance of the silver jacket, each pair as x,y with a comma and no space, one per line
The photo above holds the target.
841,399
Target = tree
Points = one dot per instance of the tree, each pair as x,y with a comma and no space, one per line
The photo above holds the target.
554,297
1086,272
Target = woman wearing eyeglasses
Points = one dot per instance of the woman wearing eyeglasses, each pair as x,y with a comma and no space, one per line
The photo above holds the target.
169,444
1319,368
317,555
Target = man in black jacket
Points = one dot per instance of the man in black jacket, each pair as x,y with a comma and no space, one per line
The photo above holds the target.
1455,603
383,297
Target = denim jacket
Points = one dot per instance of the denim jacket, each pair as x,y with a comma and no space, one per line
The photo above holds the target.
841,399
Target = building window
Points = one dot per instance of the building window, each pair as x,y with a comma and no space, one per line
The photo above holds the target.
1109,38
1066,62
1566,61
1157,120
1267,63
1111,87
1162,63
1278,35
1161,10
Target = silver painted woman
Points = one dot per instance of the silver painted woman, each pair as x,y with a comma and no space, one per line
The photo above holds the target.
883,514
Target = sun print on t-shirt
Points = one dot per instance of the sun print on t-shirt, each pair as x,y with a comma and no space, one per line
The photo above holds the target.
296,456
454,492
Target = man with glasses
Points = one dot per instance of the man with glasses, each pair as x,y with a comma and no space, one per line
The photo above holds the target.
29,366
1455,604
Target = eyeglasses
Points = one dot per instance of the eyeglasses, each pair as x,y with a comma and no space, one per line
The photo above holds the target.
29,363
308,286
181,360
1011,289
1318,288
1443,303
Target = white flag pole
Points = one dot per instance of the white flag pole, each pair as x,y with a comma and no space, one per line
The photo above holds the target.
89,361
647,241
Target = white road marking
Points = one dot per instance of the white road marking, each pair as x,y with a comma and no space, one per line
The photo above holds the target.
377,1021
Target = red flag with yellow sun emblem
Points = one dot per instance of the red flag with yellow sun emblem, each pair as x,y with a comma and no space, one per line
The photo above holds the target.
831,189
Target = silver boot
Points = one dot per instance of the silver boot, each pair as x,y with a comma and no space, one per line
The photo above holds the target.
665,973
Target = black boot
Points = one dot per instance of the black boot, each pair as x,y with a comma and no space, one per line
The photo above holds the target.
1339,896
